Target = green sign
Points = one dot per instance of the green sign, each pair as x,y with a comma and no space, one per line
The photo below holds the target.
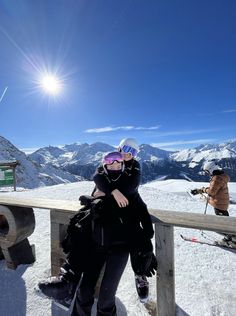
6,177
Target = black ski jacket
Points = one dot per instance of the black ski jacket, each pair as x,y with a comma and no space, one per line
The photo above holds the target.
126,182
135,216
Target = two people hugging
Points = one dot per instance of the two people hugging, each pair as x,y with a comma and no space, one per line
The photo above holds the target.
115,224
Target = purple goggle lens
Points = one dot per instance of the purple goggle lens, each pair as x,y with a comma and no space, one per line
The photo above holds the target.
110,158
129,150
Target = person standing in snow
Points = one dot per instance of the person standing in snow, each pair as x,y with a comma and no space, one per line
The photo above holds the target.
122,234
217,192
128,189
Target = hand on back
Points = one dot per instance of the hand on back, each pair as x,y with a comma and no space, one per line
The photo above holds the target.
98,193
120,198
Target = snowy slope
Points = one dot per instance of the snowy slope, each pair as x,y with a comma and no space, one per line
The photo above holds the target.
205,276
30,174
207,152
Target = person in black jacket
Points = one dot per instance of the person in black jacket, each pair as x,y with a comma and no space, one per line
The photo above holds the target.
124,228
120,219
125,192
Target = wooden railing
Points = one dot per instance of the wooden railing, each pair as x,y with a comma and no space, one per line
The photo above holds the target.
164,239
19,228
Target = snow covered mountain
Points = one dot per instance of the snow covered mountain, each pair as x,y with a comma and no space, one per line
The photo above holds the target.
207,152
71,154
77,159
82,159
72,162
224,154
154,154
30,174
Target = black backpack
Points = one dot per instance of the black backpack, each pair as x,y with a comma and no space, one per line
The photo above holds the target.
79,235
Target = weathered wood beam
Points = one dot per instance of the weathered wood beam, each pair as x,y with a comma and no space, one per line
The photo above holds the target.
165,279
64,205
174,218
222,224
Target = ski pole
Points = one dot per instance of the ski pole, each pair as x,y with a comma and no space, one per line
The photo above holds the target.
202,232
206,207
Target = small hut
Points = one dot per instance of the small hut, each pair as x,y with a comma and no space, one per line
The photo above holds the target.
8,173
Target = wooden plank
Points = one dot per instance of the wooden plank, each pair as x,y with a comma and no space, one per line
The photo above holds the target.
64,205
165,285
58,230
222,224
181,219
14,178
57,258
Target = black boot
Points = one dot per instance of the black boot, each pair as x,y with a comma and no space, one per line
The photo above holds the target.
142,287
61,288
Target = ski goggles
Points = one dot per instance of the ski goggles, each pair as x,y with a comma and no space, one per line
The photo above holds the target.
203,171
110,158
129,150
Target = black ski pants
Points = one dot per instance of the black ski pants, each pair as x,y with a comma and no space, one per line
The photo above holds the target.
221,212
224,213
115,261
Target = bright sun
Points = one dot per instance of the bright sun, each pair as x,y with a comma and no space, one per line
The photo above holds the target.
51,84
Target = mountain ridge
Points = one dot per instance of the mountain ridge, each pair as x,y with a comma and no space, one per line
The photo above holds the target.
156,162
74,162
30,174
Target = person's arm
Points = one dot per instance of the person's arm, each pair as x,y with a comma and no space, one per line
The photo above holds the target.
97,193
133,171
121,200
130,179
107,187
102,183
145,217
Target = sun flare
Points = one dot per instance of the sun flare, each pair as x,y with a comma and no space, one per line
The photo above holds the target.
51,84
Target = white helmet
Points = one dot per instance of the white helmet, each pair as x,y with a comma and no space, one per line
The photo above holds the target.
210,166
129,145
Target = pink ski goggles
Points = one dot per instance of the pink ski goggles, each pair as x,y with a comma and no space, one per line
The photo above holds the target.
110,158
129,150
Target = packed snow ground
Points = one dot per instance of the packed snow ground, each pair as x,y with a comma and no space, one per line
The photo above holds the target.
205,276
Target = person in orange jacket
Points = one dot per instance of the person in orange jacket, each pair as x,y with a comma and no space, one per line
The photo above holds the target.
217,192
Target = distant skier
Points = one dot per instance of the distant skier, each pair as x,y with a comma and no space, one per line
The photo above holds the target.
217,193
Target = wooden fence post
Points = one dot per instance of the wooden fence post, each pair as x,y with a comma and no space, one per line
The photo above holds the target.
165,285
59,223
14,177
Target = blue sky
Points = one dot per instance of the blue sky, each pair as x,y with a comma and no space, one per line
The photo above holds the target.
161,71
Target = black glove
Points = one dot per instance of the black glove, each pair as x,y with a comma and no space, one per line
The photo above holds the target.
95,204
143,263
196,191
86,200
152,267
